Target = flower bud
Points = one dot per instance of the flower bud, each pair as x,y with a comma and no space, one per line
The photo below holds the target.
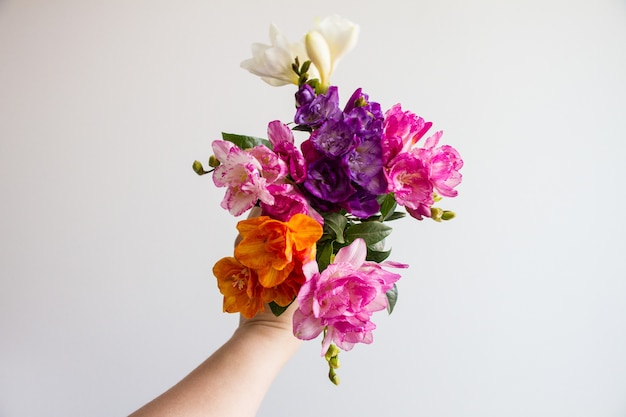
448,215
213,161
319,52
436,213
197,167
332,352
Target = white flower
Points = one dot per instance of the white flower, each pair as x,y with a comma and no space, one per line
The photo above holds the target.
331,38
273,62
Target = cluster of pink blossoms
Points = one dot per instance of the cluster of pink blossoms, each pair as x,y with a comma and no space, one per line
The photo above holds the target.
415,173
263,175
342,298
273,178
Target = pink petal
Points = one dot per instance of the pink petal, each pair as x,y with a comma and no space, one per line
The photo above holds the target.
353,254
306,327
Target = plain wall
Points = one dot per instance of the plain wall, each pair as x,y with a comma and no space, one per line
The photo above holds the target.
107,237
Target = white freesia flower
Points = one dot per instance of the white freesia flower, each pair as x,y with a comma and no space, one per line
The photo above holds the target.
331,38
273,62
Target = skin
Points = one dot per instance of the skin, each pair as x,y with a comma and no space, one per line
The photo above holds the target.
234,380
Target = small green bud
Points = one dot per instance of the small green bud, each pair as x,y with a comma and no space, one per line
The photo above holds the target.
436,213
305,67
214,162
436,197
332,352
333,377
360,102
448,215
197,167
315,84
334,362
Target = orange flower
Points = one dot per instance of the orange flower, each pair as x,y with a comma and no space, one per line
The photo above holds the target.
267,266
283,294
270,247
239,286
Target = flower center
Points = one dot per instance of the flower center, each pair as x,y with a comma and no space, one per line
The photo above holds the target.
239,280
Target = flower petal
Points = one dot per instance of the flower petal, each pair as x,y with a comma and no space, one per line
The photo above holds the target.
353,254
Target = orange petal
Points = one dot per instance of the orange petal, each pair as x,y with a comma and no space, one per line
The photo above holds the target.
271,277
305,231
246,226
237,283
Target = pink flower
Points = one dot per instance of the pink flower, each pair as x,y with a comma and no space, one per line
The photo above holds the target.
414,173
240,172
342,299
282,140
288,200
408,180
401,130
443,165
273,169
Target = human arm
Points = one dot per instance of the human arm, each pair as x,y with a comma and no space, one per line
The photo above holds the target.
234,379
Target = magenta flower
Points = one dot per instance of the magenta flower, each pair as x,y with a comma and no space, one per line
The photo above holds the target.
408,179
342,299
282,140
401,130
443,165
288,200
414,173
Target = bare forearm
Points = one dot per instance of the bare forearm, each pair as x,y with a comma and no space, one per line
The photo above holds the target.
234,380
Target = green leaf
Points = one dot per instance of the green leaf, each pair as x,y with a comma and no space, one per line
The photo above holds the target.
371,232
303,128
245,142
376,255
396,215
392,298
323,255
335,224
387,206
278,310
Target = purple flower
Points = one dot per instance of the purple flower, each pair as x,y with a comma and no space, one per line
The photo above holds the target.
328,180
304,95
335,138
323,107
367,112
366,167
362,204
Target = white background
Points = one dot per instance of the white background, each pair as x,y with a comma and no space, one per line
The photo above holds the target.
107,237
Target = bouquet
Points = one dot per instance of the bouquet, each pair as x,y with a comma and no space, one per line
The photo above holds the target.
324,205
